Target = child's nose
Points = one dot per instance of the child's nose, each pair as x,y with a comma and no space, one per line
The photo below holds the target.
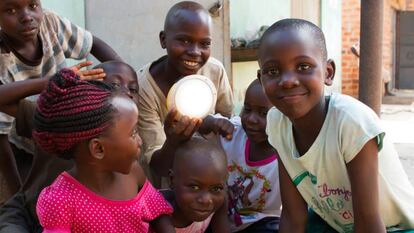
288,80
205,198
252,118
25,16
194,50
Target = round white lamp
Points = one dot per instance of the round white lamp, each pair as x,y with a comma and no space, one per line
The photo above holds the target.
193,96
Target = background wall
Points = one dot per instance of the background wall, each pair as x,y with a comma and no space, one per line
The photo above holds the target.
331,24
246,17
74,10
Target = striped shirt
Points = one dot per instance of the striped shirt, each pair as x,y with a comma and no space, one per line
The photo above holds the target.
60,40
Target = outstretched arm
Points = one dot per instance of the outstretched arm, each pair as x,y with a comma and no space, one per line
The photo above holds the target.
12,93
102,51
294,212
363,174
217,125
178,129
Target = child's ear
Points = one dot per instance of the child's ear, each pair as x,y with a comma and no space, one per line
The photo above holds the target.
96,148
162,39
330,72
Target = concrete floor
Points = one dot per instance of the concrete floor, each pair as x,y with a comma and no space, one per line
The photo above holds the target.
398,121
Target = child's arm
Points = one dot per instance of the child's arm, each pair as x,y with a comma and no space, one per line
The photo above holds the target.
217,125
363,173
12,93
220,221
102,51
294,211
162,224
178,129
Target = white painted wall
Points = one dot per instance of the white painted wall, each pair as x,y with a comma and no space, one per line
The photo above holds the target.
246,16
331,24
74,10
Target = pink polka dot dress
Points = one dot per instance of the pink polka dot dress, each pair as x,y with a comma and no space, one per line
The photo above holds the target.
68,206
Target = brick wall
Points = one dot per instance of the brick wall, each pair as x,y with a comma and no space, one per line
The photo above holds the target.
350,35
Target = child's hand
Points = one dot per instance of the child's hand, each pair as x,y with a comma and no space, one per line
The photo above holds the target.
179,128
93,74
220,126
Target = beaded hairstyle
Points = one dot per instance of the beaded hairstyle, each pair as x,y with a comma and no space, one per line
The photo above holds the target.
70,111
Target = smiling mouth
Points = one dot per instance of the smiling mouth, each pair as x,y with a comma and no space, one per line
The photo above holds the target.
292,98
191,63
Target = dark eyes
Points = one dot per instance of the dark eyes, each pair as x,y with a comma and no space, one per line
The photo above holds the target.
206,44
194,187
272,72
217,189
11,11
275,72
34,6
135,132
133,90
303,67
184,41
116,85
263,113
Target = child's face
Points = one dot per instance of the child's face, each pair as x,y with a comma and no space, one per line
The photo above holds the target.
20,19
187,41
199,188
293,72
253,115
121,142
125,79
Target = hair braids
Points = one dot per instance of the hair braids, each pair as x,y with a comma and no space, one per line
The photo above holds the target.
70,111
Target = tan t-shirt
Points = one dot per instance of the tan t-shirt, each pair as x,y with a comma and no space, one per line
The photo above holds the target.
153,104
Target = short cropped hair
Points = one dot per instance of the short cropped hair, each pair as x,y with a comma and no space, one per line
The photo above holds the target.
298,24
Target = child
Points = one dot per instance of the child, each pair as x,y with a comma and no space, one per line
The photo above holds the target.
18,214
253,183
333,156
34,43
100,132
198,183
186,38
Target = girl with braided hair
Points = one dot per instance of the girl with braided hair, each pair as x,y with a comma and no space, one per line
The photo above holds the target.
106,191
